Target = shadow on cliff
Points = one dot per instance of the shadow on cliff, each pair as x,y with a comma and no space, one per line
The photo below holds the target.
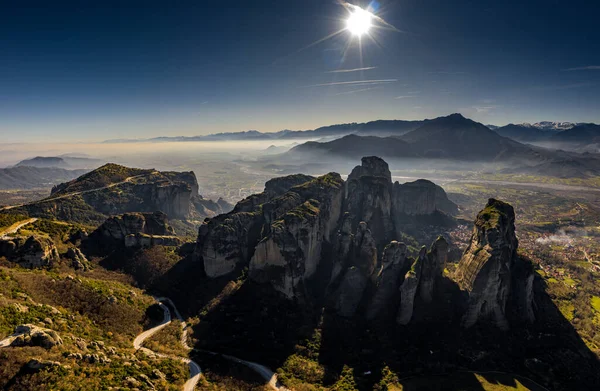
434,352
255,323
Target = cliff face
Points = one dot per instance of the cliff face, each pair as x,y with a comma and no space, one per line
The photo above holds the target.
369,197
303,231
389,277
490,265
138,230
228,241
282,233
421,197
422,279
113,189
290,252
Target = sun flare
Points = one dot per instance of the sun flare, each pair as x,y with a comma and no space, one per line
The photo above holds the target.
359,22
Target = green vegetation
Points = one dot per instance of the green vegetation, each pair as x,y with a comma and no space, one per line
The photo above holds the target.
168,340
6,220
595,301
96,312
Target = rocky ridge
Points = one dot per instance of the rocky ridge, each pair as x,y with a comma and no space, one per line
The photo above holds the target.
138,230
296,235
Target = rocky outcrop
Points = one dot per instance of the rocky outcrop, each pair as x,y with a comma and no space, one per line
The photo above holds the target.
488,267
282,233
31,335
78,260
422,278
296,226
433,268
421,197
30,252
389,277
361,265
138,230
369,197
227,242
408,290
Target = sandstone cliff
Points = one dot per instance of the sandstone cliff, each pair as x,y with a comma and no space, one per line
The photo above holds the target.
113,189
422,279
421,197
488,267
227,241
138,230
369,197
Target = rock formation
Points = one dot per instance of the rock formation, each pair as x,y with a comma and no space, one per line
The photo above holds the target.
421,197
389,277
138,230
113,189
30,252
228,241
361,266
369,197
290,251
408,290
488,268
31,335
422,278
78,260
303,230
280,234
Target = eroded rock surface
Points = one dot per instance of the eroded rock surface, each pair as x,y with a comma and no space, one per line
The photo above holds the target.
30,252
487,268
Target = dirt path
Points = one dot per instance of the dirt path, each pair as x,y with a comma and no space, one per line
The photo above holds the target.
49,199
16,227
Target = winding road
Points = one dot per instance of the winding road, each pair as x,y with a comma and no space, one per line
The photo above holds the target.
268,375
195,370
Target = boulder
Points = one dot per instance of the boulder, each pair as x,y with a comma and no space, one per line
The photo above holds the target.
78,260
31,335
30,252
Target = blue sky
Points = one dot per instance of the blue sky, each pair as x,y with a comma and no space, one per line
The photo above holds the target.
97,70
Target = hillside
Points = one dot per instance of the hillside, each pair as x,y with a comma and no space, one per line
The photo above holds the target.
353,145
456,137
114,189
25,177
64,161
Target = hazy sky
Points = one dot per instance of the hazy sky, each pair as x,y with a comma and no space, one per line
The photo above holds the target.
94,70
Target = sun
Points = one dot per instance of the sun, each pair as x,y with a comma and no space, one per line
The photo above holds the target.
359,22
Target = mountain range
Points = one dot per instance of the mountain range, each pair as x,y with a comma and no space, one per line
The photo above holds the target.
380,128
